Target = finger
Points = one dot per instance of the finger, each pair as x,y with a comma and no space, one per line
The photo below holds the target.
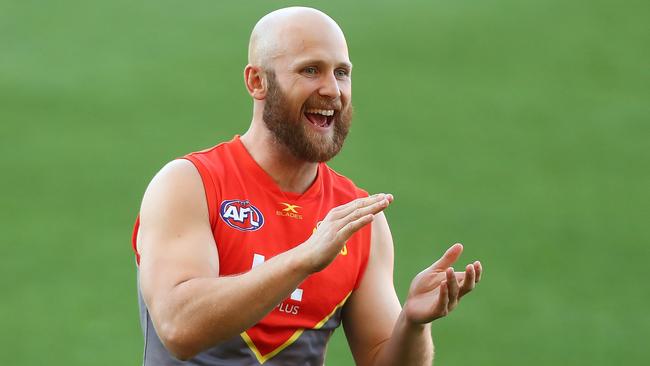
352,227
443,301
452,284
478,268
447,259
373,209
358,203
469,282
460,276
346,209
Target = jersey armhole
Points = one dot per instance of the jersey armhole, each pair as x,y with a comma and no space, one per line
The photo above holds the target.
364,261
134,240
209,187
367,231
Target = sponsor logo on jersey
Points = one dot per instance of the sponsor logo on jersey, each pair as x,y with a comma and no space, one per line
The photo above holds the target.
241,215
289,210
286,306
290,307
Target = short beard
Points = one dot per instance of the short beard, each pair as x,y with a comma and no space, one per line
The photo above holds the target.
292,133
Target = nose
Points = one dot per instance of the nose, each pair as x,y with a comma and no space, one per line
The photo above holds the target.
330,87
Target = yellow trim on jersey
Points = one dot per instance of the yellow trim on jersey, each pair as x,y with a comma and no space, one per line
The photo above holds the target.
322,322
263,358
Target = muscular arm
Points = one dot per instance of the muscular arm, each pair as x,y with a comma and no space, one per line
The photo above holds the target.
190,306
378,330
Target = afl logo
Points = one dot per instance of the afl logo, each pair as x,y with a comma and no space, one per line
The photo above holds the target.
241,215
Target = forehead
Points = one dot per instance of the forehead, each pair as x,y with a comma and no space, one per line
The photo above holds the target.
318,43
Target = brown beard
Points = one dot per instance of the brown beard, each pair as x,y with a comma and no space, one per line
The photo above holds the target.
292,133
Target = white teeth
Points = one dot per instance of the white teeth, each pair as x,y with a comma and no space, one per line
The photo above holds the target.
324,112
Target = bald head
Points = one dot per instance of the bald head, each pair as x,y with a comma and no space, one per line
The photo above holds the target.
299,75
286,32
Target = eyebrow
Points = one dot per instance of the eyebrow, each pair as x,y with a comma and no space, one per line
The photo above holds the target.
346,65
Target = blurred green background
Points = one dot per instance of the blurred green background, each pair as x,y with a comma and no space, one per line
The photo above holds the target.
520,128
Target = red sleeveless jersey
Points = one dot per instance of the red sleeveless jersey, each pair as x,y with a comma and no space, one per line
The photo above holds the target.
252,221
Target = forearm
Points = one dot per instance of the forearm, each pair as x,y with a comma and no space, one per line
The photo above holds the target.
201,312
409,344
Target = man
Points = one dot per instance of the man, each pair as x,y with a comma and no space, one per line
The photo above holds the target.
254,251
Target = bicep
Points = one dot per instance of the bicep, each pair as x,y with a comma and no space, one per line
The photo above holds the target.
371,313
175,240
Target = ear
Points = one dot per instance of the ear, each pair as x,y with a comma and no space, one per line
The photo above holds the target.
255,81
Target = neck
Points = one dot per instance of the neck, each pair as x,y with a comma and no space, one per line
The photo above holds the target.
288,172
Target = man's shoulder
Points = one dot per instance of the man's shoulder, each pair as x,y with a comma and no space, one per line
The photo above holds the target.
212,152
214,159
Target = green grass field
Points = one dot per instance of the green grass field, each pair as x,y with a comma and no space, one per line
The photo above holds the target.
521,129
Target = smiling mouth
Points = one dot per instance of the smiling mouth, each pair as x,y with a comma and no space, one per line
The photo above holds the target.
320,117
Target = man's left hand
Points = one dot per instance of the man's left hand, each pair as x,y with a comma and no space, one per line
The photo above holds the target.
436,291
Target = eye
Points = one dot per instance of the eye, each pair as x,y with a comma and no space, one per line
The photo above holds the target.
310,70
341,73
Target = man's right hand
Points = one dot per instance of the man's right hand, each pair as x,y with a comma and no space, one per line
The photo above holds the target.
338,226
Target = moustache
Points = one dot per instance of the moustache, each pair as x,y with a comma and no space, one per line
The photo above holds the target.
323,103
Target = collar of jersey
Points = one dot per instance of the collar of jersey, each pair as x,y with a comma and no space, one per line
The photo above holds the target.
250,167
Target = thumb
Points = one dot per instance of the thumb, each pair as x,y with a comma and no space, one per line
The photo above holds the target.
451,255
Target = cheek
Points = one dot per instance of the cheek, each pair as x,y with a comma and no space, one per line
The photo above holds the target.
346,91
298,100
